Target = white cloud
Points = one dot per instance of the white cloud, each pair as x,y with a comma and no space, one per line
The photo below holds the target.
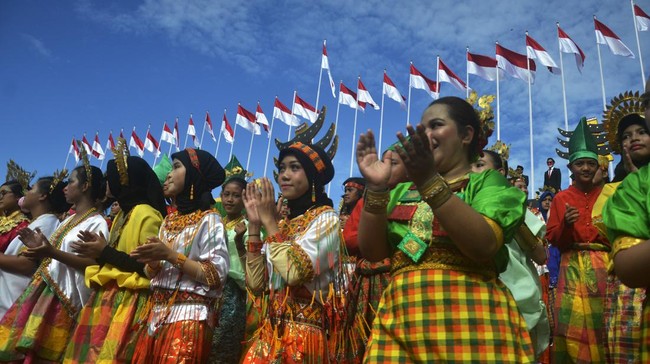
37,45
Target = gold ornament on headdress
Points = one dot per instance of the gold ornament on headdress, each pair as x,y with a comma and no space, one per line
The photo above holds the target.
58,177
18,173
624,104
83,154
546,189
483,108
502,149
121,153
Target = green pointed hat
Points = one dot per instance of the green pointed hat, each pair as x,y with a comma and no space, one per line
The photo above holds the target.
163,168
234,170
582,143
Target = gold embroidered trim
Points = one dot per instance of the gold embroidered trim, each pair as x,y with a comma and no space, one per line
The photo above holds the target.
300,262
211,274
498,231
624,242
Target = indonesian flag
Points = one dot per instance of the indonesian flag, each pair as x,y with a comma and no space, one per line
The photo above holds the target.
282,113
445,74
167,134
604,35
535,50
348,97
567,45
86,144
98,151
642,19
364,95
176,134
302,108
136,143
246,120
325,64
483,66
226,130
74,148
391,91
191,131
262,120
208,123
420,81
515,64
151,144
110,144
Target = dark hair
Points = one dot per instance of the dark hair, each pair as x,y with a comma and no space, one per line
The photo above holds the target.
496,159
463,114
98,183
236,180
15,188
56,198
550,159
520,166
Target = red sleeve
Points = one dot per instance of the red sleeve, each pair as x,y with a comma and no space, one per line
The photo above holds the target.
557,232
6,238
351,229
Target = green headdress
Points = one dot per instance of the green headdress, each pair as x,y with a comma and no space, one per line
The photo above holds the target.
234,170
582,143
163,168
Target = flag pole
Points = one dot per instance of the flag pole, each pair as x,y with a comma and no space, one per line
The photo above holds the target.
438,76
466,74
146,136
336,127
320,77
216,151
292,105
602,79
187,134
354,131
234,132
566,115
101,165
638,45
408,109
250,150
155,159
498,107
381,117
203,132
530,126
268,147
67,157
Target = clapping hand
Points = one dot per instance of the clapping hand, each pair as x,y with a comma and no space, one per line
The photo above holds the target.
416,154
376,172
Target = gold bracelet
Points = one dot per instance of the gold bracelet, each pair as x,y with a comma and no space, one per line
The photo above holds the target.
180,261
375,202
435,191
151,272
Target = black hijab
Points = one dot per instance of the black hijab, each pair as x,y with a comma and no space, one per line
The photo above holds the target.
143,186
203,173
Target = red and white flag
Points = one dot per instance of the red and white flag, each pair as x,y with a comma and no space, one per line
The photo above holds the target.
246,120
567,45
176,135
445,74
604,35
208,124
87,146
348,97
74,148
226,130
304,109
262,120
364,95
483,66
167,135
98,151
515,64
642,19
535,50
151,144
110,144
325,64
282,113
392,92
420,81
191,131
136,143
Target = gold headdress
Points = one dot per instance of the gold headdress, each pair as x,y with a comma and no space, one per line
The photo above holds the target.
121,153
18,173
502,149
58,177
83,155
627,103
482,106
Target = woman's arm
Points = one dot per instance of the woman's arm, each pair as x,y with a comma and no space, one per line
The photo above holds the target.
18,265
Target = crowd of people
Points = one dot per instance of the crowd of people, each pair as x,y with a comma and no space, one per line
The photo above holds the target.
434,255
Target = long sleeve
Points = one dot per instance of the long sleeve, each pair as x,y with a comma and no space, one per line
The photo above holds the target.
351,229
256,277
120,260
562,235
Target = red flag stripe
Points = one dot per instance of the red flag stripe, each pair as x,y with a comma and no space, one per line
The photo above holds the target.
483,61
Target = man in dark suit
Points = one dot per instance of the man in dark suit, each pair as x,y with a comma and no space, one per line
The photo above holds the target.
520,171
553,176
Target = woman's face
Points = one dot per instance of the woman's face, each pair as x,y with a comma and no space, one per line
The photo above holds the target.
8,200
175,182
636,140
231,198
32,197
484,163
448,145
292,178
521,184
546,202
75,190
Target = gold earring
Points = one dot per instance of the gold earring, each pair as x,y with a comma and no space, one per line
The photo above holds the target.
191,192
313,193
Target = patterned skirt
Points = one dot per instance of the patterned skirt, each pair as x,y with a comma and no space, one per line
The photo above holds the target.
645,332
105,325
37,325
624,307
579,307
229,333
435,315
186,342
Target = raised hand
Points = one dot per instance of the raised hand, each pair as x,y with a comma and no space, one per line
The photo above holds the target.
571,214
43,250
91,244
153,251
416,154
31,238
627,161
266,206
376,172
249,195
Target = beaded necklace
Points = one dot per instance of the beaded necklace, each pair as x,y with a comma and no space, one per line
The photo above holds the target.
116,230
230,224
57,238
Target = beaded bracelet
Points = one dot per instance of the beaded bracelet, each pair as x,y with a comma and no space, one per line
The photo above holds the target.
180,261
255,246
275,238
435,192
151,272
375,202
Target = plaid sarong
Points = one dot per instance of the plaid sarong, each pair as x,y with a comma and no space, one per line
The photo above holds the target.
624,307
436,315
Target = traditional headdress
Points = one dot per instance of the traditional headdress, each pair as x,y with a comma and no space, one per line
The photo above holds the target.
502,149
356,182
623,110
163,168
235,171
121,153
482,106
18,173
58,177
83,155
546,189
588,140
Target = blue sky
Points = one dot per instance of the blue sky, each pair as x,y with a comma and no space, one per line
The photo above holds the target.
75,67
